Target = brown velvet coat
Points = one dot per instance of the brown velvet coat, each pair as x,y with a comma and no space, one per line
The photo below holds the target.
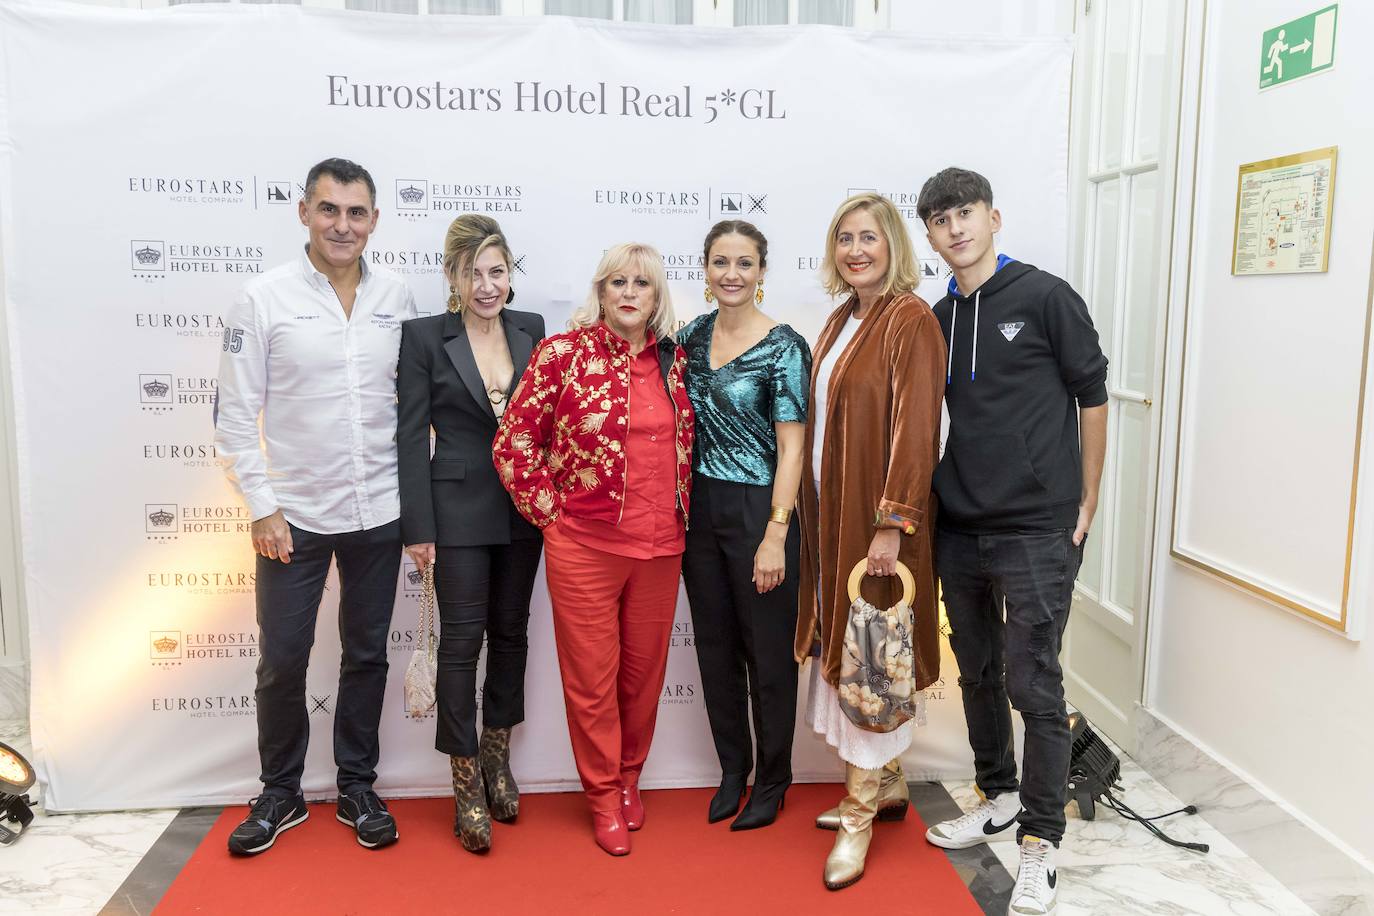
882,442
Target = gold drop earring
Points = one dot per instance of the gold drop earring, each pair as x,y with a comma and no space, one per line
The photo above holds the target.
758,295
710,296
454,305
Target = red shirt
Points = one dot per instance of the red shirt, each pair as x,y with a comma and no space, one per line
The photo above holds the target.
650,525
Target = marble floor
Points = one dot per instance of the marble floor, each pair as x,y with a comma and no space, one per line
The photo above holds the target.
121,863
1110,865
72,863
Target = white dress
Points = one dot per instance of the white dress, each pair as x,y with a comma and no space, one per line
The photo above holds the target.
864,749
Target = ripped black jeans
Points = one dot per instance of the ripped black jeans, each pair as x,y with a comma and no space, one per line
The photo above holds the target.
1013,662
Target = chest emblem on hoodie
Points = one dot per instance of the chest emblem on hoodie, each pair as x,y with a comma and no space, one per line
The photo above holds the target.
1010,329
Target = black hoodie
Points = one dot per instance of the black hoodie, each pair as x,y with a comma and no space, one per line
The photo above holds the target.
1022,350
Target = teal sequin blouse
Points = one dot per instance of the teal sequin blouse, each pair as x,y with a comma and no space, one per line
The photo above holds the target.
737,404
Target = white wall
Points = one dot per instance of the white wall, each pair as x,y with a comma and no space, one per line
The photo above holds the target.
1284,700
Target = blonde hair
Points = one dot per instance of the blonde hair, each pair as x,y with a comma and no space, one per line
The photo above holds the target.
468,236
902,275
632,259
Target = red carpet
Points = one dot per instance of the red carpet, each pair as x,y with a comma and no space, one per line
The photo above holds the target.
547,863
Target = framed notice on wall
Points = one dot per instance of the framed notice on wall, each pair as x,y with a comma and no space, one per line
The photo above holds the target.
1283,214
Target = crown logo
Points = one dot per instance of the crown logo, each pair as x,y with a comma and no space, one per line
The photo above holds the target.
156,389
165,645
148,255
411,194
161,518
414,576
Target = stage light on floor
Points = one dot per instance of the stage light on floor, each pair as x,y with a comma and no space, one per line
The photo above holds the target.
1094,771
16,776
1093,768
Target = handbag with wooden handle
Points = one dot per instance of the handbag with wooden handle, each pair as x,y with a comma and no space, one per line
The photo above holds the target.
877,679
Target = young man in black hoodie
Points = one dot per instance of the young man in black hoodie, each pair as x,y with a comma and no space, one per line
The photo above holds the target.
1026,392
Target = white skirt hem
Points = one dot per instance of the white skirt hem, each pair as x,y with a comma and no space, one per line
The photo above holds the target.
864,749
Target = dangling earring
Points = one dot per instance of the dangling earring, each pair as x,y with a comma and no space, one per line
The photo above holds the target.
758,295
510,295
454,305
710,296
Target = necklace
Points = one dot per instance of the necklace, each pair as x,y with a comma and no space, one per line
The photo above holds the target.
495,395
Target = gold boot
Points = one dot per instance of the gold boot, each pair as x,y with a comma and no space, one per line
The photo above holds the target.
845,864
893,798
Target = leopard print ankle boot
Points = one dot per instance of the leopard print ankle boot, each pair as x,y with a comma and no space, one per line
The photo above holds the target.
503,795
472,825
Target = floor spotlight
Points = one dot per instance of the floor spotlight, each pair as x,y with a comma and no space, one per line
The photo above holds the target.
1093,768
16,776
1094,774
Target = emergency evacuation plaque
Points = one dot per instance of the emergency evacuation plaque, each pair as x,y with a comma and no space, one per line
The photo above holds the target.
1283,214
1303,47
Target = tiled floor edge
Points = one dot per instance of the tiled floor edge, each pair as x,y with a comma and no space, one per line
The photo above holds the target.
981,871
161,864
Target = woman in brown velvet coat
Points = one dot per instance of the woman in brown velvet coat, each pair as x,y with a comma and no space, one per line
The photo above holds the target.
872,443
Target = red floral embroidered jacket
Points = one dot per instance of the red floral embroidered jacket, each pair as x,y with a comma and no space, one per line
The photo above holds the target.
561,443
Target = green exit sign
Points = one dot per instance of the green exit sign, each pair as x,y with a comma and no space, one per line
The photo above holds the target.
1305,46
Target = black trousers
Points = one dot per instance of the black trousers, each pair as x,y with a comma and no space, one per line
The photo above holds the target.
482,590
288,602
743,639
1013,662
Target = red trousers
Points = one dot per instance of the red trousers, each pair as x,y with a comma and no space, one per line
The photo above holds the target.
612,621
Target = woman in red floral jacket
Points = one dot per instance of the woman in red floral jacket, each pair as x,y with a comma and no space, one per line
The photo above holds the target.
596,449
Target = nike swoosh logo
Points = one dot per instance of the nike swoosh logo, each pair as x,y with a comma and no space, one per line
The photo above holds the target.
990,828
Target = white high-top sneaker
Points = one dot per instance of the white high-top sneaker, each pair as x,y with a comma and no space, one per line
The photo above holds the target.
990,820
1036,879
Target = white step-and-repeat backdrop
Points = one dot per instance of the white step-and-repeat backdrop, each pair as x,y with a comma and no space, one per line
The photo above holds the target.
152,161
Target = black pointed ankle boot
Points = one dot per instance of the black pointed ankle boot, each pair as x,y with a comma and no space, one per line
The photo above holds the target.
764,804
727,798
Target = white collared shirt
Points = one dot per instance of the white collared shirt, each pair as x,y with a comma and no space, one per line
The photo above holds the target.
325,386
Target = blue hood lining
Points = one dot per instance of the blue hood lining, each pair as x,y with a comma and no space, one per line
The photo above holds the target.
1002,261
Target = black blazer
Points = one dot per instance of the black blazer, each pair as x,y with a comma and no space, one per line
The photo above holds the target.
455,499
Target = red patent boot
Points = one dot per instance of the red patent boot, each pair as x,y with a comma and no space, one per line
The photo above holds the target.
611,833
632,806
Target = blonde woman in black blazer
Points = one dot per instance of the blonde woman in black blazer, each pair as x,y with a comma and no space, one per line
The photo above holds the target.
457,372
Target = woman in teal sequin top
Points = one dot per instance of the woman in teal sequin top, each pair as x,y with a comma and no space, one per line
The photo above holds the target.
748,377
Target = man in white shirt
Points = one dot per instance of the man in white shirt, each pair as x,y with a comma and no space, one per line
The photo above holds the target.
311,347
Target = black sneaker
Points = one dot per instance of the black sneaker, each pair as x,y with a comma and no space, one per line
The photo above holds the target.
367,815
270,815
